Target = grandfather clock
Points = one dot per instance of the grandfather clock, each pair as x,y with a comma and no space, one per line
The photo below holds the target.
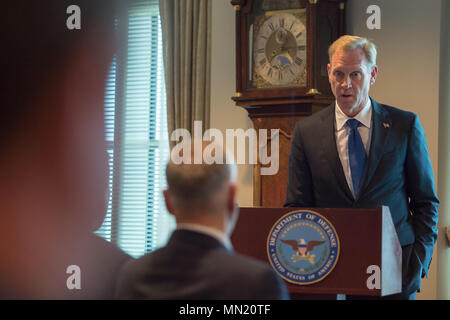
281,72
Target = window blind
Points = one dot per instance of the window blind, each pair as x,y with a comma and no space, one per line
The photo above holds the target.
136,135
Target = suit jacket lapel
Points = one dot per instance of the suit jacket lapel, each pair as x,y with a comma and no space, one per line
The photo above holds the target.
380,133
330,150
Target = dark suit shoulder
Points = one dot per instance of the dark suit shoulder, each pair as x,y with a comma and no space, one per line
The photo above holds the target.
240,264
137,268
253,279
220,260
311,121
402,121
397,112
210,274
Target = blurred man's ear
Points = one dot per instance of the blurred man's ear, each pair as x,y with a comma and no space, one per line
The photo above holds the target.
231,203
233,210
168,200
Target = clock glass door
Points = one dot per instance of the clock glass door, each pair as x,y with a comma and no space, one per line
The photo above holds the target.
277,45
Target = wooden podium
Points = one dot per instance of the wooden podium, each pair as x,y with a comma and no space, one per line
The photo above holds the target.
367,237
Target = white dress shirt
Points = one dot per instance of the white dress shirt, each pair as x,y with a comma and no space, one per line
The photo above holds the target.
220,236
342,130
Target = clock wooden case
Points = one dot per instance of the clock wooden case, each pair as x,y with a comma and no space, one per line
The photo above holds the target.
281,72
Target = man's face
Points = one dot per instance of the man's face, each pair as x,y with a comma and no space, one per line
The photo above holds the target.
350,79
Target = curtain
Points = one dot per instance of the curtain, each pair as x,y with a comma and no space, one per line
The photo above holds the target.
186,29
136,134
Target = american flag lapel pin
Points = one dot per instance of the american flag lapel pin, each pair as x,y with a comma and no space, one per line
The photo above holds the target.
386,125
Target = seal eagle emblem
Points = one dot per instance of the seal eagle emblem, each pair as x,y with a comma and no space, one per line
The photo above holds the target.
303,247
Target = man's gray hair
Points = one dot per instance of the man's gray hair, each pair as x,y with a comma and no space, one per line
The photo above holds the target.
196,185
350,43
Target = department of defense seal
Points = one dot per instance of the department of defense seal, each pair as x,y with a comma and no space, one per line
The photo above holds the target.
303,247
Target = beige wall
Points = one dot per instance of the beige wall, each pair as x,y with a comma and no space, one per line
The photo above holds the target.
443,261
409,46
224,113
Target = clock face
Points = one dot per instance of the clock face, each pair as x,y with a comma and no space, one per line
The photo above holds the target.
279,52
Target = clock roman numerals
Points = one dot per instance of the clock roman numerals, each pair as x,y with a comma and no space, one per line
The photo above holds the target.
283,37
292,24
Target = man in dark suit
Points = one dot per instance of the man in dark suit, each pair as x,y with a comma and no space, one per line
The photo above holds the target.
198,261
358,153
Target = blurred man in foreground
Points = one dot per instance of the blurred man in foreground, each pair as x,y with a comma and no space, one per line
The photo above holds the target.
53,161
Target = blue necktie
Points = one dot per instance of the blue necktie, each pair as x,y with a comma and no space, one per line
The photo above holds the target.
356,154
